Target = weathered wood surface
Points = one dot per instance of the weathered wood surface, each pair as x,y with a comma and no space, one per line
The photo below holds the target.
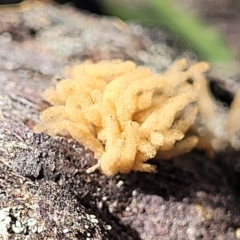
44,190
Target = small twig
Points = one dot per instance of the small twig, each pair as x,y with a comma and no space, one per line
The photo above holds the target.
94,168
5,163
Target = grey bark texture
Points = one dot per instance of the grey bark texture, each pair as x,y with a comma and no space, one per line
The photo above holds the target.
45,192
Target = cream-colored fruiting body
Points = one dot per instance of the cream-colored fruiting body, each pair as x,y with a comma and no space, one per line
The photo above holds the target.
125,114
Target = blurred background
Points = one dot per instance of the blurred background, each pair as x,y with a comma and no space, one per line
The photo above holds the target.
211,28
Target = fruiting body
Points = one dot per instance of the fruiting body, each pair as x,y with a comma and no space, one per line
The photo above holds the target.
124,113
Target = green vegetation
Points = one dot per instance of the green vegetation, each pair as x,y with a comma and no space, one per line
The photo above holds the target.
205,41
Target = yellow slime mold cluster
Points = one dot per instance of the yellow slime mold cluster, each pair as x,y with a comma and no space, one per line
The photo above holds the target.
124,113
